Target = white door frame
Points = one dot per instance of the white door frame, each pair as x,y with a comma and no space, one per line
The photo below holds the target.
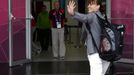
28,29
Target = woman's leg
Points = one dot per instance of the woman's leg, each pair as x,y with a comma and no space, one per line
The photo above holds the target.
95,64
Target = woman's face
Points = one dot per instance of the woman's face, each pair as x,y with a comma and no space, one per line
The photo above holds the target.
92,7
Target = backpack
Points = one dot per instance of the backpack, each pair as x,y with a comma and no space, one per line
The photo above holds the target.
111,40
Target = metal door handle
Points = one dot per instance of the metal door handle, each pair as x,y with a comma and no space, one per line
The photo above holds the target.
12,17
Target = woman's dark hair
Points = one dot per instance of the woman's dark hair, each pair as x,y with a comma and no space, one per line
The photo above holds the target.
103,7
99,2
95,1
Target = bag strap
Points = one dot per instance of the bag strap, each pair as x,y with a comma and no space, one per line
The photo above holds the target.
100,19
93,40
88,27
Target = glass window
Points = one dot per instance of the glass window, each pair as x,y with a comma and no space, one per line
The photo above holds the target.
122,12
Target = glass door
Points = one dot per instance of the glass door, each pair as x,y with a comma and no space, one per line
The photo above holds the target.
19,32
122,12
4,31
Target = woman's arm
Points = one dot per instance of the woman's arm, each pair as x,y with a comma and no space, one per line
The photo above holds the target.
80,17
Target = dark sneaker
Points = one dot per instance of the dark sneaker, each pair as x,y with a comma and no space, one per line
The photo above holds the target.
39,51
62,58
55,58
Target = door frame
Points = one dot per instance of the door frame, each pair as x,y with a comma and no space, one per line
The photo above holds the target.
28,34
108,11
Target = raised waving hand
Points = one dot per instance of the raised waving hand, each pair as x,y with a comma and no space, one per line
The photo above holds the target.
70,7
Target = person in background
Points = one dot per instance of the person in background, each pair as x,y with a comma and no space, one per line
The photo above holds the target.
57,19
44,28
35,48
97,65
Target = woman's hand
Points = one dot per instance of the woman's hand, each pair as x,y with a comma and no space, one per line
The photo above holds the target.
70,7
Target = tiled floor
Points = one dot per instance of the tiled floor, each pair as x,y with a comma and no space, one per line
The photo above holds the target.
61,68
76,68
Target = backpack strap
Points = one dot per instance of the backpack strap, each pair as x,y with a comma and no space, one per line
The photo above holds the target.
88,27
93,40
100,19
